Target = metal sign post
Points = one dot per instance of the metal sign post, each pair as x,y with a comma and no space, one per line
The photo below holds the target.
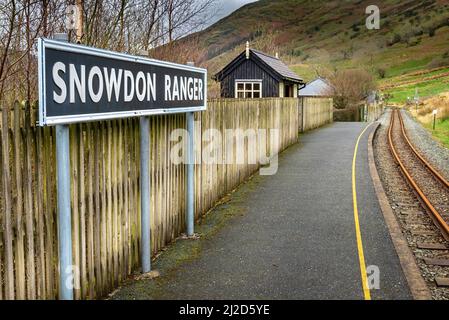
190,118
416,98
190,173
434,112
64,213
64,206
81,84
145,193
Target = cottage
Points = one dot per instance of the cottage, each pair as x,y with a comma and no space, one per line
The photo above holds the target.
316,88
254,74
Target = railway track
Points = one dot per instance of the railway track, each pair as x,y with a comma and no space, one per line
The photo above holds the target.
431,188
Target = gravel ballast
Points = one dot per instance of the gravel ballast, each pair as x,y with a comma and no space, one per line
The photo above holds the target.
432,150
415,223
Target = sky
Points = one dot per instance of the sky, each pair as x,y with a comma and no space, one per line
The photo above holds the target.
226,7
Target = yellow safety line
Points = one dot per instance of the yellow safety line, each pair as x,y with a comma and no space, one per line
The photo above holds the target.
366,291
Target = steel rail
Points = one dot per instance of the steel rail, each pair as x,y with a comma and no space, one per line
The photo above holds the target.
435,215
424,161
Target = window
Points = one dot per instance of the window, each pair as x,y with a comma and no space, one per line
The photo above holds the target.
248,89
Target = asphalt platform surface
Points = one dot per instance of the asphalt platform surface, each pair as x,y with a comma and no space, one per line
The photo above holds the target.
297,238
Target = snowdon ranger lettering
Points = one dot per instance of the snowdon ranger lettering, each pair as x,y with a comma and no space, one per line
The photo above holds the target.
106,83
79,83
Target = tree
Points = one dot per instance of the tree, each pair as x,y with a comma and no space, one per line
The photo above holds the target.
133,26
350,87
381,72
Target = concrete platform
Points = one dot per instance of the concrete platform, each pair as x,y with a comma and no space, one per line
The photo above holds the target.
296,239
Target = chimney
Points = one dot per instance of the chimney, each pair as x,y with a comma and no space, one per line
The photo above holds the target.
277,55
247,49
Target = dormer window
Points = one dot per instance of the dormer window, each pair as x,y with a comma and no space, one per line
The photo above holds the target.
248,89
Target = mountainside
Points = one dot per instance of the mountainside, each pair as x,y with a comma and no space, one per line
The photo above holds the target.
313,36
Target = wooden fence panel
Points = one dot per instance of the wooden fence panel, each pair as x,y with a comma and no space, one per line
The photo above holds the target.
374,111
315,112
105,189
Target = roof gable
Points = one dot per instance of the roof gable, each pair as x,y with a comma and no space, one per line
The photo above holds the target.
270,64
278,66
317,87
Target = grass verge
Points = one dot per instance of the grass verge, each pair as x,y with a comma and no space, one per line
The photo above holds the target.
441,132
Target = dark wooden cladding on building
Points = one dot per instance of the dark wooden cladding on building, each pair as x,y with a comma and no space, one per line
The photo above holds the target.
249,70
252,68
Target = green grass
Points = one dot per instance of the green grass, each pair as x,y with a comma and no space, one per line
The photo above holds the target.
305,72
313,35
441,132
421,77
425,89
407,67
324,34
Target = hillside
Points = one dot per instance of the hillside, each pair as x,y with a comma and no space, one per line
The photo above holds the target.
411,47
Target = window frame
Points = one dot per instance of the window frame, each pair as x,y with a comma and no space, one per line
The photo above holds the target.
251,91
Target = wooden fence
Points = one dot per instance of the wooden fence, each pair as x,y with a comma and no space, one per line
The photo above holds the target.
373,111
105,191
315,112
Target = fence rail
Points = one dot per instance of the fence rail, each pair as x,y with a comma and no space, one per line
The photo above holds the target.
315,112
374,111
105,188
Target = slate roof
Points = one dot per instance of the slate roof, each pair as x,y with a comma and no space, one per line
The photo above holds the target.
316,88
277,65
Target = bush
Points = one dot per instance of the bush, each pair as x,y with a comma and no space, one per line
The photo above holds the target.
413,42
418,31
381,72
296,52
438,62
410,13
351,86
395,39
431,31
355,28
345,115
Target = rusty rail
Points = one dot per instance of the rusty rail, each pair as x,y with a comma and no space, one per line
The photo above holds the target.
435,215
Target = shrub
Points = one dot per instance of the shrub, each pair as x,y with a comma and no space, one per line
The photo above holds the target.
381,72
351,86
296,52
355,28
345,115
413,42
438,62
395,39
